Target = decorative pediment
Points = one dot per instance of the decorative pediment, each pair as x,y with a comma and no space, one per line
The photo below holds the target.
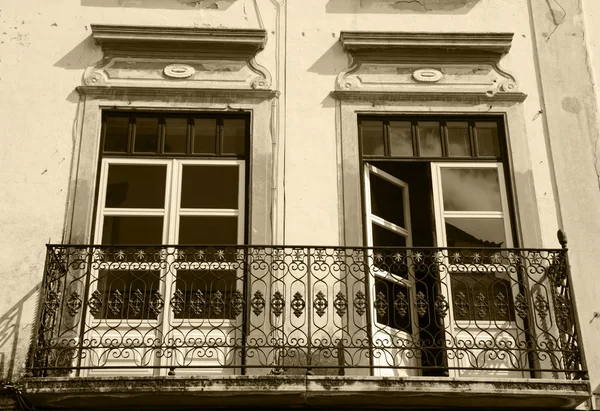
178,57
441,64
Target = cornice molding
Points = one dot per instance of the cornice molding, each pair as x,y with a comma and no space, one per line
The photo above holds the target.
117,40
177,57
124,92
437,63
463,97
398,42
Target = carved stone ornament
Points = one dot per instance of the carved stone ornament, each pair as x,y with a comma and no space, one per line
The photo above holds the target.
427,65
179,71
427,75
178,57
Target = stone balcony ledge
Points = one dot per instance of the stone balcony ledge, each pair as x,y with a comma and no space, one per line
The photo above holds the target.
301,391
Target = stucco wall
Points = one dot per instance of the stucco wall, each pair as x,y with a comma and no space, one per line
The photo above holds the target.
45,48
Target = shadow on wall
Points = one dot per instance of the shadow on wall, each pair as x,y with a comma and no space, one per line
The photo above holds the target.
401,6
10,324
81,57
162,4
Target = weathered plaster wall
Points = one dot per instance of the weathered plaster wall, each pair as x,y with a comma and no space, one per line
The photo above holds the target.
570,111
45,49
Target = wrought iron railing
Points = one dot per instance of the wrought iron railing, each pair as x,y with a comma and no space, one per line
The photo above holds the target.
325,310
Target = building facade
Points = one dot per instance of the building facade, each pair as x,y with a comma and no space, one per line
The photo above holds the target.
347,203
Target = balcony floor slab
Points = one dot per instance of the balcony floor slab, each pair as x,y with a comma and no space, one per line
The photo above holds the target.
178,392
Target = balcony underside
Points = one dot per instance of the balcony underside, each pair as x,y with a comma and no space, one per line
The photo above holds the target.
302,391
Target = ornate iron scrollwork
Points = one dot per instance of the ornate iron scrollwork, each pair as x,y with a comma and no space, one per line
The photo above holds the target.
198,302
320,304
441,305
115,302
298,304
177,302
340,304
461,304
136,302
258,303
95,303
541,306
277,304
360,303
521,306
74,304
237,303
157,303
52,301
217,303
380,304
401,304
421,304
501,305
481,306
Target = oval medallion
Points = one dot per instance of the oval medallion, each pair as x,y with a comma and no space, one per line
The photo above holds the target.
179,71
427,75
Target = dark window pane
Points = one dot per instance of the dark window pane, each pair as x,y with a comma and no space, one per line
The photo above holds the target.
475,232
372,137
205,134
234,136
487,139
136,186
176,135
471,189
208,230
206,294
128,294
429,139
132,230
117,132
210,187
459,142
387,200
482,296
401,143
382,237
398,315
146,135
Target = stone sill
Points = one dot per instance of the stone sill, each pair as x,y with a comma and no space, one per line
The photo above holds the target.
317,391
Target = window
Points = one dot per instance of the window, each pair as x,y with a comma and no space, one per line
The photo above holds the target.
176,179
436,181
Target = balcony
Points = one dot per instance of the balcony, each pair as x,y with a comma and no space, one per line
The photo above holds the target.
373,323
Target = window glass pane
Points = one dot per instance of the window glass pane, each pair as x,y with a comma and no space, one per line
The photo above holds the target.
234,136
205,135
487,139
206,294
210,187
207,230
146,135
471,189
401,143
475,232
127,294
387,200
136,186
482,296
176,135
382,237
459,142
117,132
398,315
372,138
132,230
429,139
